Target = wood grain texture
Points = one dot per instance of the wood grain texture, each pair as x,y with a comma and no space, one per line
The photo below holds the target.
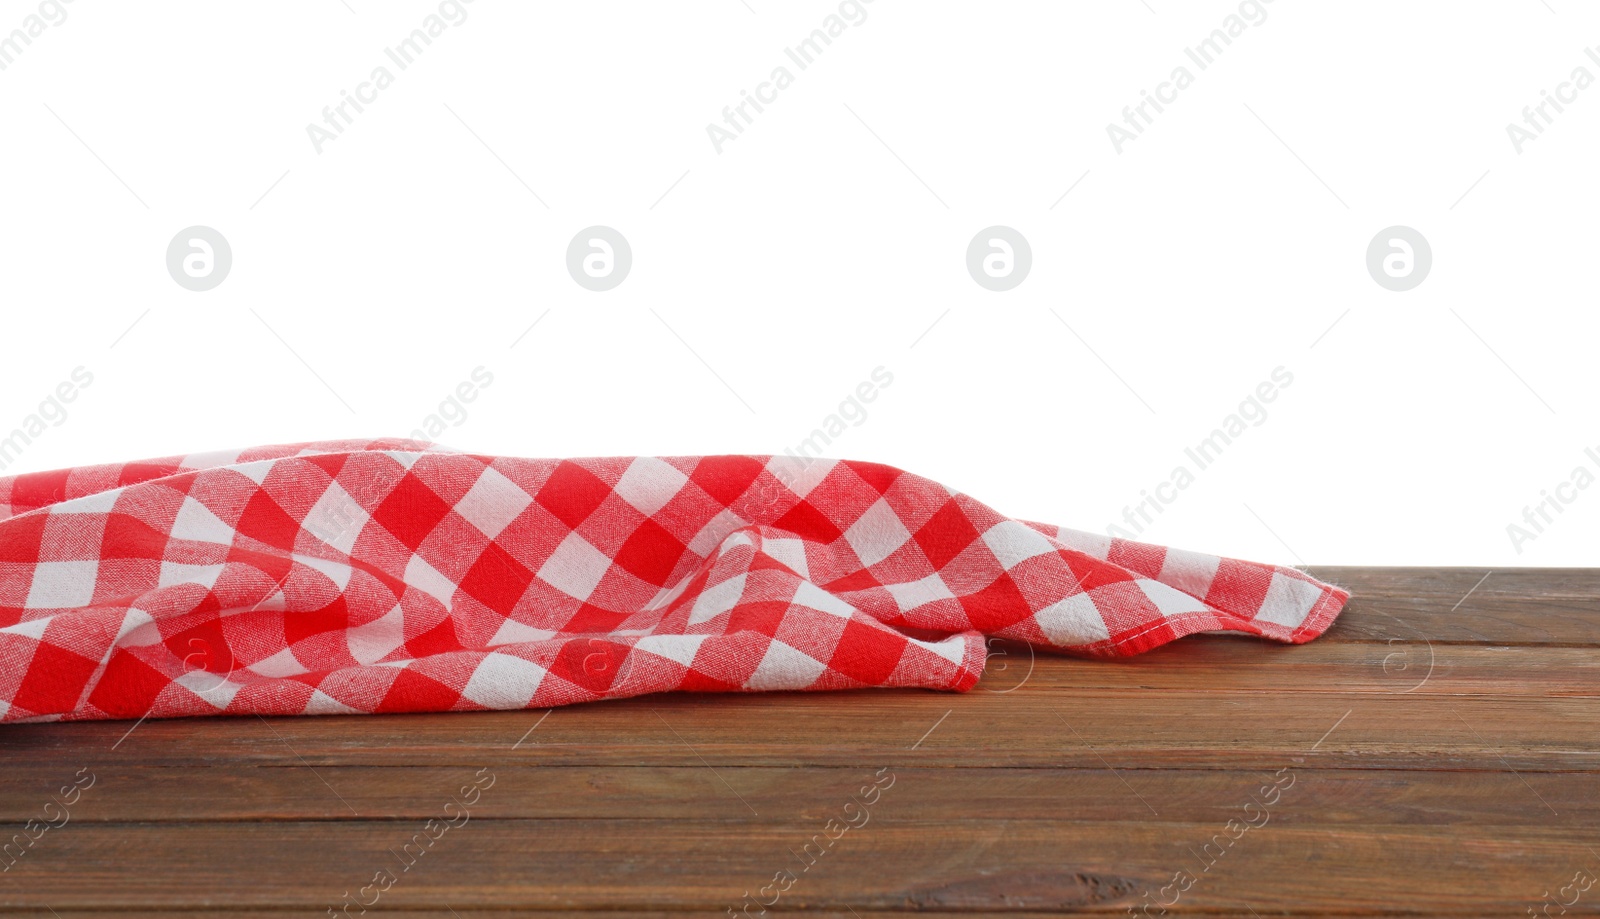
1442,740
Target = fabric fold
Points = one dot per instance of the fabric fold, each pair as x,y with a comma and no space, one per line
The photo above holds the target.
396,576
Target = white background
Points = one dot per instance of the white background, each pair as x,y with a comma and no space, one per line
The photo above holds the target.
373,277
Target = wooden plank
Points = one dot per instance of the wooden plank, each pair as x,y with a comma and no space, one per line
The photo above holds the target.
465,912
1449,584
1327,797
1007,862
1520,606
1227,665
1442,736
1041,725
1504,623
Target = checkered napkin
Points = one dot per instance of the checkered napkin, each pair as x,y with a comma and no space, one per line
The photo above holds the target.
398,576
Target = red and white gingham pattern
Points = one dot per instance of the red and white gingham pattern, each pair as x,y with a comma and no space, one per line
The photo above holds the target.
391,575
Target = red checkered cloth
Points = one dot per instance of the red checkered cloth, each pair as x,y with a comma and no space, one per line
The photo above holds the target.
398,576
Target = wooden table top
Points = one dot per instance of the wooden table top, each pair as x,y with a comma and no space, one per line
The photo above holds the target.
1433,753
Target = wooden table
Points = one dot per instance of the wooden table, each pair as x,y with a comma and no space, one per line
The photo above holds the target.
1434,753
